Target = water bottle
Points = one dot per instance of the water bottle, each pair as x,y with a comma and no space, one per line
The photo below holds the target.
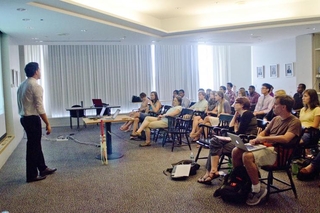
294,168
191,156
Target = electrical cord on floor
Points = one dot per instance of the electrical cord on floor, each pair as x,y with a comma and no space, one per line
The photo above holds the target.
85,143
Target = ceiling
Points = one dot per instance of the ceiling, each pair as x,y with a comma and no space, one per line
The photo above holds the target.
244,22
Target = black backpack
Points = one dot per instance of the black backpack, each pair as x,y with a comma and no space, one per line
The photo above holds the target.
236,186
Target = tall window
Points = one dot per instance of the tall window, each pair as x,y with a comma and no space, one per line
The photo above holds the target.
206,73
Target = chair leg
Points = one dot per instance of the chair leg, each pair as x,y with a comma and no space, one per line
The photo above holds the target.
197,156
292,183
164,139
70,122
269,183
186,135
173,140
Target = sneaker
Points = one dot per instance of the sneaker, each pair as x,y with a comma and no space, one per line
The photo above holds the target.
255,198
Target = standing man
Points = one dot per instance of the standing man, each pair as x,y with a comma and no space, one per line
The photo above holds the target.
30,105
265,102
298,97
253,97
185,101
230,93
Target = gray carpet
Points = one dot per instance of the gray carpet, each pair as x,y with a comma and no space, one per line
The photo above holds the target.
134,183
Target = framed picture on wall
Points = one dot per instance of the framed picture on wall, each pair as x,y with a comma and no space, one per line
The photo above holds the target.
260,72
274,71
288,69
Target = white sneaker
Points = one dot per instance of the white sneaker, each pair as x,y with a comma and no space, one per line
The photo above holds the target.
255,198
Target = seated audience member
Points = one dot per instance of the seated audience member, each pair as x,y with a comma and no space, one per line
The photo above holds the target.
158,122
208,91
143,108
223,107
175,93
265,102
253,97
284,128
313,167
185,100
224,90
271,91
241,93
298,97
154,106
202,104
243,122
270,115
198,119
230,93
309,116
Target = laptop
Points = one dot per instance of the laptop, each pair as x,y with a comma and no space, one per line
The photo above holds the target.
181,170
101,114
238,142
113,116
97,102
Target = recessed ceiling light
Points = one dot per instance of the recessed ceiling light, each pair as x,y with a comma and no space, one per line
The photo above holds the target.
240,2
83,30
21,9
26,19
314,28
34,38
63,34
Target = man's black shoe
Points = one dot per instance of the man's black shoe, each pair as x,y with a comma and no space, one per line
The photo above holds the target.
47,171
38,178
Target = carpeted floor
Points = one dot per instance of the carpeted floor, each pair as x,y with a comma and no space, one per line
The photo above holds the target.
134,183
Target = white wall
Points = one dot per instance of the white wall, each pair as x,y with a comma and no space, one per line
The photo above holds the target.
277,53
304,60
240,66
14,128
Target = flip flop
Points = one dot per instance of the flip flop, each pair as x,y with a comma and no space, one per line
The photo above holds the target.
208,179
135,134
145,144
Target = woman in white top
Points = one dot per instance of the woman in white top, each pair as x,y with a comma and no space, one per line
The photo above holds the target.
198,119
143,108
154,106
158,122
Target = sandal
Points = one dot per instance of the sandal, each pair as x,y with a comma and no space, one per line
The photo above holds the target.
145,144
136,134
208,178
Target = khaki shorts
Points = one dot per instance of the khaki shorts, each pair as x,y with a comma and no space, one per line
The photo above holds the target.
214,121
265,157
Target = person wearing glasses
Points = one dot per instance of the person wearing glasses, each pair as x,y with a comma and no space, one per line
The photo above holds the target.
265,102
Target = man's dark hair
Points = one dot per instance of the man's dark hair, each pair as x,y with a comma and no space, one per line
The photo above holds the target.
230,84
287,101
31,69
181,90
303,86
252,87
142,95
223,87
268,86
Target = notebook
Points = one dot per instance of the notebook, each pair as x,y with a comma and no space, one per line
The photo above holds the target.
181,170
101,114
97,102
113,116
238,142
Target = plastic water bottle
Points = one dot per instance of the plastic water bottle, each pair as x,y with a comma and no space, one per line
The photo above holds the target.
191,156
